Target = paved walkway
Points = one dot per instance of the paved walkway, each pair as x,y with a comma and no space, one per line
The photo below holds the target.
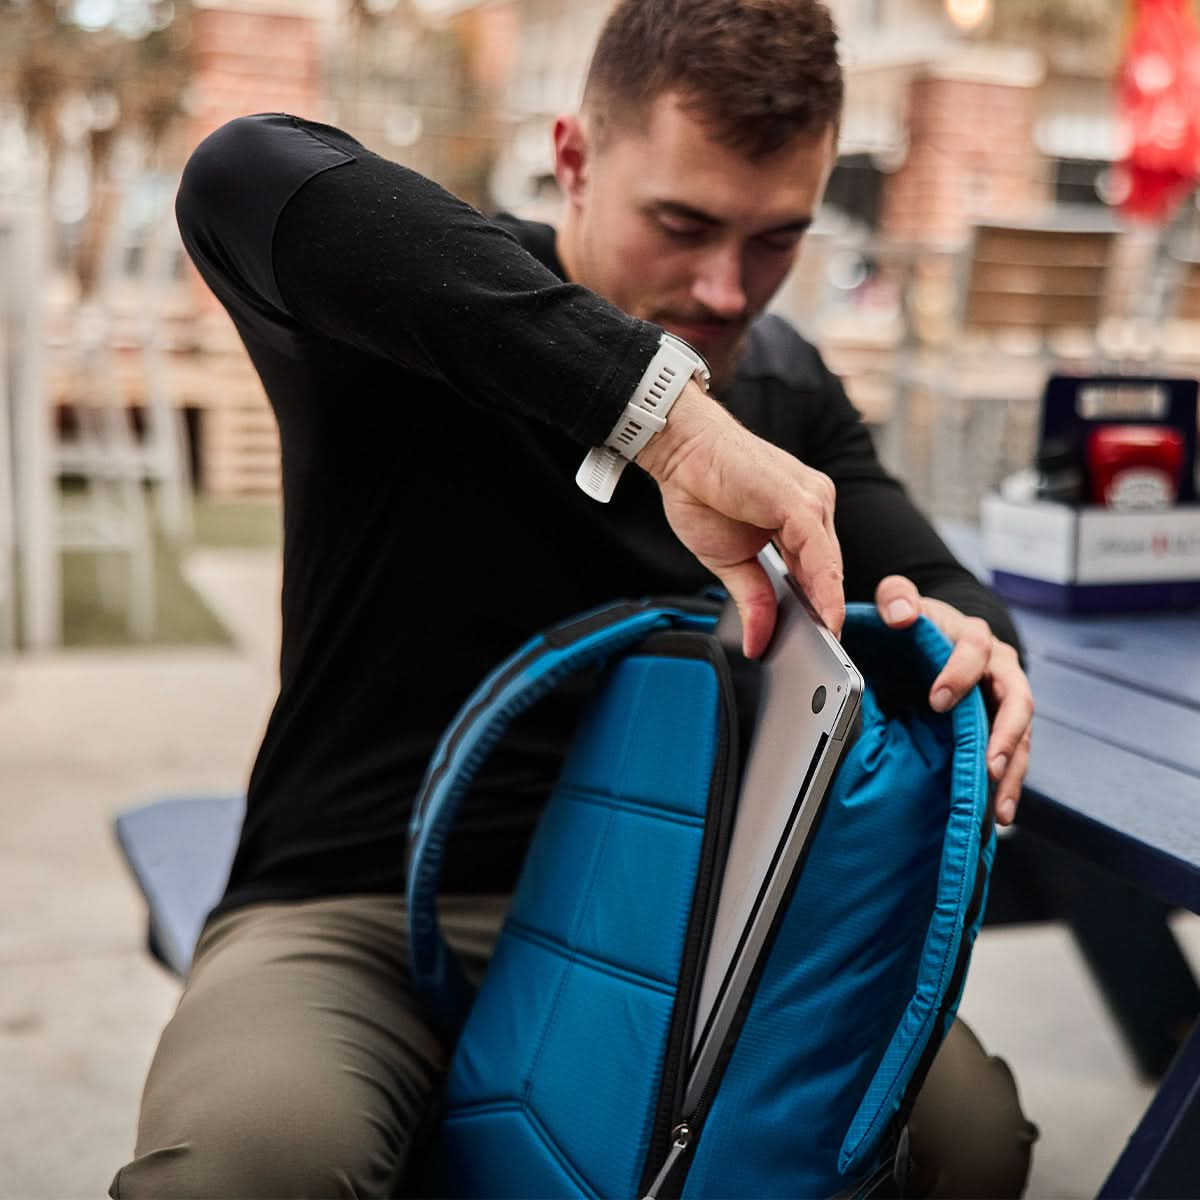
83,734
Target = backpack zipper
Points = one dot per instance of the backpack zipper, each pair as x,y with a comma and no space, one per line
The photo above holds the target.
693,1122
671,1134
683,1139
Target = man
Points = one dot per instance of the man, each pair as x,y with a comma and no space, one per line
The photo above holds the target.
437,382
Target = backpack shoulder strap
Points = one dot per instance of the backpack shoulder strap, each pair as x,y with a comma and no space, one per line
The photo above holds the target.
534,670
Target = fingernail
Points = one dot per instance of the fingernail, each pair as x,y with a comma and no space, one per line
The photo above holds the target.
942,699
999,765
899,610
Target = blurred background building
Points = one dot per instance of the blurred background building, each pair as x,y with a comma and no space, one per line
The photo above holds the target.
961,114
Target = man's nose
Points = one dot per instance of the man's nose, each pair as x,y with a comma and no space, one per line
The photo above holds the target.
718,284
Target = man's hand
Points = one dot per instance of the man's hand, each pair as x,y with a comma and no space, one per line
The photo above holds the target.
978,657
726,493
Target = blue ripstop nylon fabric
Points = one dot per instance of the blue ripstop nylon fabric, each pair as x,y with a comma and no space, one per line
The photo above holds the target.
513,687
554,1084
968,851
554,1080
861,978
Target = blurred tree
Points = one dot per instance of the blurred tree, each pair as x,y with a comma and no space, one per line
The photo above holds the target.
1068,20
94,72
404,78
130,63
1090,28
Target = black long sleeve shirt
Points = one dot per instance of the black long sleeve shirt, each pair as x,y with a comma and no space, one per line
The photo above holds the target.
436,381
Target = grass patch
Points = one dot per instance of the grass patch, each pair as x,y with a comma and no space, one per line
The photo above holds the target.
250,524
182,618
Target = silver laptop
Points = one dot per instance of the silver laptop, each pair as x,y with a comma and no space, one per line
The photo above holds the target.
809,699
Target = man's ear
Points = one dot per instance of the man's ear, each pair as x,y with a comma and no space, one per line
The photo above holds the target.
571,156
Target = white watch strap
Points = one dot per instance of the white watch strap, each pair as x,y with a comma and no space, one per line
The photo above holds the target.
600,471
672,367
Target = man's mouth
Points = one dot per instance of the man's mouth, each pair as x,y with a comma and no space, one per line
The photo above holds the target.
702,333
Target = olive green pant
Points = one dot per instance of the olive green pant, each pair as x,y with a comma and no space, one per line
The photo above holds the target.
298,1065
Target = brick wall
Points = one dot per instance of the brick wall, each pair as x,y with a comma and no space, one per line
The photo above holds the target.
249,58
253,61
971,154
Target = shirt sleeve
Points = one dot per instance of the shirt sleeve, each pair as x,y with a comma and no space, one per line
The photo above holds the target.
880,529
300,229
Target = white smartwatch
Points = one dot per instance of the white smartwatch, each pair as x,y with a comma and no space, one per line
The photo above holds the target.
669,372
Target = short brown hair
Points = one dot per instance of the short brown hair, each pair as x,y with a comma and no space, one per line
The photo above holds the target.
757,73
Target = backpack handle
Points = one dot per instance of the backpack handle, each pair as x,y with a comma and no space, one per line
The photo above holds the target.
522,679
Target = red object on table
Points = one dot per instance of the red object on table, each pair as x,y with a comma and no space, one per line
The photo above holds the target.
1159,101
1134,466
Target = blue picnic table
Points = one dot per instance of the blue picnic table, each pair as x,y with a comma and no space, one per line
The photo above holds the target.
1114,783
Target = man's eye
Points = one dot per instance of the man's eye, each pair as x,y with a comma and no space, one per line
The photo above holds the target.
782,242
684,231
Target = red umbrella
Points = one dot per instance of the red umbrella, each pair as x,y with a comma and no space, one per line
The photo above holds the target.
1159,100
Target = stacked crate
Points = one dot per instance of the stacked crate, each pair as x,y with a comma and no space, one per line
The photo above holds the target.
239,447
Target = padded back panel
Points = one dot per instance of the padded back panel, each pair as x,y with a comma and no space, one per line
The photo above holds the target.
555,1078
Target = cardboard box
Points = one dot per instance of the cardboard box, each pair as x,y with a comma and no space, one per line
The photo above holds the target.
1092,559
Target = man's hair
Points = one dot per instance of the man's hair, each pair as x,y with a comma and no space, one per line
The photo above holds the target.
756,73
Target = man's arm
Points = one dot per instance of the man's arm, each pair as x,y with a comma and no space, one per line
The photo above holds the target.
309,236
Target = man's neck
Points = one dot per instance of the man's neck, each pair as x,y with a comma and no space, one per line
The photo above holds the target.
564,246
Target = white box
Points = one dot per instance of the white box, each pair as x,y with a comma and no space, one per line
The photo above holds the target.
1092,559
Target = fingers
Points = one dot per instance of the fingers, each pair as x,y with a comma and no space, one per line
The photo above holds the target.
810,546
978,657
1008,747
1008,789
751,590
973,643
727,492
898,601
818,571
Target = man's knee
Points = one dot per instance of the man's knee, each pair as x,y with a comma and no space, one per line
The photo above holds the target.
275,1138
296,1064
969,1136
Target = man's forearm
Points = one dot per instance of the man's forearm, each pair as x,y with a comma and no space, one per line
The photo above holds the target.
333,241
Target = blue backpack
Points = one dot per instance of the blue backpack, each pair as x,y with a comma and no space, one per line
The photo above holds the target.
568,1070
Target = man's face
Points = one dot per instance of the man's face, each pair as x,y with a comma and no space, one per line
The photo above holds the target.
677,229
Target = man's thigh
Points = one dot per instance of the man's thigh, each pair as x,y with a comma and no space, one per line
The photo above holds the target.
297,1062
969,1136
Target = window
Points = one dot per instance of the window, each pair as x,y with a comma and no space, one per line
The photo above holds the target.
856,189
1078,180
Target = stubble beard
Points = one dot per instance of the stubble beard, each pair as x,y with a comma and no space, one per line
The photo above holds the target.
724,370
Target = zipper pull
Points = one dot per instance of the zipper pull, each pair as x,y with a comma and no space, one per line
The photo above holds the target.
683,1138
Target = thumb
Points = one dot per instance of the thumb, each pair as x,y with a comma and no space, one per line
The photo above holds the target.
898,601
750,589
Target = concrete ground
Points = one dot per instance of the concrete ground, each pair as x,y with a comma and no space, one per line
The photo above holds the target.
83,734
